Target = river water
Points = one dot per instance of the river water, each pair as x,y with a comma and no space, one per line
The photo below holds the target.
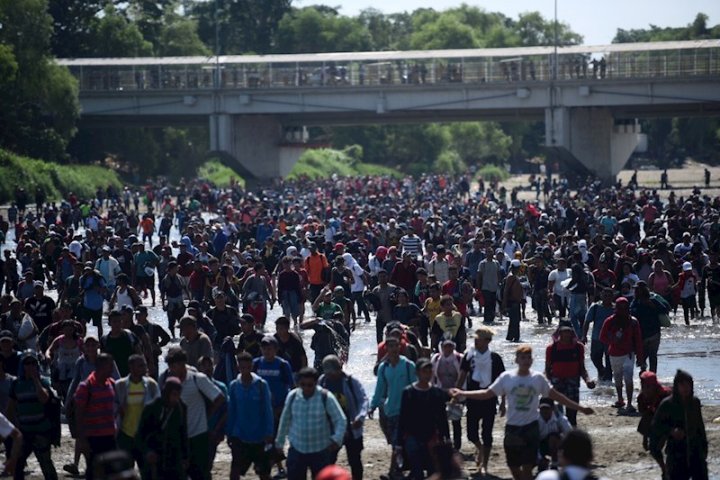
695,348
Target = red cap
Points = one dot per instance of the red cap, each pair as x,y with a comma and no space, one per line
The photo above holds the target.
339,245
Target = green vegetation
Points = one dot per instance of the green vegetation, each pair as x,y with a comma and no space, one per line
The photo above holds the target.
325,162
56,180
219,174
493,173
40,98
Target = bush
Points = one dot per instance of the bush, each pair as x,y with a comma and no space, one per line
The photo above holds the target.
449,162
493,173
325,162
54,179
216,172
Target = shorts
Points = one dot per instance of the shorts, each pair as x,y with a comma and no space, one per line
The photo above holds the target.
622,368
245,454
94,316
714,299
521,444
145,282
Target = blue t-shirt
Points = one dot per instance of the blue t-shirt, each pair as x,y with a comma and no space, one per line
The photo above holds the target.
93,299
144,259
278,376
597,313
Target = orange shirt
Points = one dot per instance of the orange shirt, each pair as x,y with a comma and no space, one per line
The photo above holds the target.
147,225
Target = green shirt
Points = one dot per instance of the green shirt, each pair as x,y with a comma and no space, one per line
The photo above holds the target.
327,310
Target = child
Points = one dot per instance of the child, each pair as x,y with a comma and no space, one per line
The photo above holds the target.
553,427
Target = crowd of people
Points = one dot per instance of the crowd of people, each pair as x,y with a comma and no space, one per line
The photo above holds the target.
423,258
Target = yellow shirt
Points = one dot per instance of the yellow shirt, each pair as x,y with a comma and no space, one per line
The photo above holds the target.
433,309
449,324
133,409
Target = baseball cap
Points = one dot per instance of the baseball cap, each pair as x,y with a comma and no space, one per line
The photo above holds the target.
515,263
6,335
268,340
141,309
339,245
687,266
247,318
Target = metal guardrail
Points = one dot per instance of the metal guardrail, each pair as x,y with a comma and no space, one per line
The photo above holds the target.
671,63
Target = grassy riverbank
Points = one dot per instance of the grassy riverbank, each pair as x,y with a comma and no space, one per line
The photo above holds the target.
55,179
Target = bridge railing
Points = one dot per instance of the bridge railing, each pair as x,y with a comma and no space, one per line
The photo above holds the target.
698,62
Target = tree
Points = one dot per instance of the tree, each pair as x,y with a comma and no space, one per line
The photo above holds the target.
245,26
312,29
40,98
116,36
479,142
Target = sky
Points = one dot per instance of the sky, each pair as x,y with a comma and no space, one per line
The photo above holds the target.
597,21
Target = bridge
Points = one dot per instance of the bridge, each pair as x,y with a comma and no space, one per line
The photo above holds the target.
588,96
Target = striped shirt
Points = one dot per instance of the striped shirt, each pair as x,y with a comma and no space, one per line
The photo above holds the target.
30,412
98,401
412,244
310,424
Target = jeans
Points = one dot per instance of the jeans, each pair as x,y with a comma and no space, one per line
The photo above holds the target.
578,309
650,348
290,303
362,309
601,360
298,463
353,449
561,304
513,334
39,445
489,307
418,455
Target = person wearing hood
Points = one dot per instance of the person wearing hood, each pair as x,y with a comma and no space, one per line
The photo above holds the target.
678,426
565,365
375,263
648,400
621,333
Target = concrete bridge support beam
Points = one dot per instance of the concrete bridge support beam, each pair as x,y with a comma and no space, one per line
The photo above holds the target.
591,137
255,142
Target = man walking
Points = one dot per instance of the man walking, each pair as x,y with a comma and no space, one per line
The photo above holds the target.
132,394
394,374
95,412
523,388
249,424
314,424
621,333
353,400
196,390
488,281
480,367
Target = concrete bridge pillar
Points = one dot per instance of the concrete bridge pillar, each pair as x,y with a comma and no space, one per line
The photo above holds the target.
255,142
591,138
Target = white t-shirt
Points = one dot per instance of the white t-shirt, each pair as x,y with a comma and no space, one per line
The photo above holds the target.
358,282
522,395
558,276
195,386
6,428
573,473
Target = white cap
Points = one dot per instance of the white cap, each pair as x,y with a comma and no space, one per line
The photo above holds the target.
582,244
515,263
687,266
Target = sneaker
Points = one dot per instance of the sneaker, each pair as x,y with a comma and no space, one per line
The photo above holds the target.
630,409
619,404
281,473
71,468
